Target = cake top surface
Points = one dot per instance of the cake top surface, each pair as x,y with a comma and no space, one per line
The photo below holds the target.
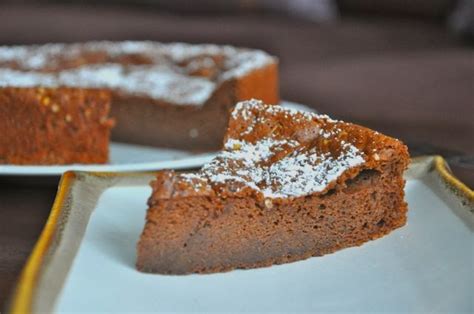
277,153
183,74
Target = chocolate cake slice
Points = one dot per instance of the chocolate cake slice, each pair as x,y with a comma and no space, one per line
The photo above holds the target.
288,185
54,126
169,95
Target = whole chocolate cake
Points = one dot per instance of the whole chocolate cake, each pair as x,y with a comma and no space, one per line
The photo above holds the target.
172,95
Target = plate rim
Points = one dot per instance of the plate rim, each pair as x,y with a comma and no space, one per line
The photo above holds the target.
25,293
57,170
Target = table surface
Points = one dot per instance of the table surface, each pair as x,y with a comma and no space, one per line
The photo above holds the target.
24,206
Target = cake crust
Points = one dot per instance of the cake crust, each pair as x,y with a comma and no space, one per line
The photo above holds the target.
288,185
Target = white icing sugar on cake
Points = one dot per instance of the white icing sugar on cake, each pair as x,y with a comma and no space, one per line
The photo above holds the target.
156,82
166,78
301,170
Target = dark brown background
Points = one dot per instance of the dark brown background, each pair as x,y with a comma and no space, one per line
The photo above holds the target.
396,69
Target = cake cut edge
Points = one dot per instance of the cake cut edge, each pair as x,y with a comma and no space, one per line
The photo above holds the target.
54,126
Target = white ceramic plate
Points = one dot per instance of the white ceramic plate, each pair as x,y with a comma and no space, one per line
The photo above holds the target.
84,259
129,158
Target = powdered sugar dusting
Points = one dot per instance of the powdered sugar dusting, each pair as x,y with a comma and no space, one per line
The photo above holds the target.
159,84
244,110
241,161
306,173
166,75
280,167
25,79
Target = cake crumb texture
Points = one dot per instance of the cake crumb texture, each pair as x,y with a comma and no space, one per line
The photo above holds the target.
49,126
